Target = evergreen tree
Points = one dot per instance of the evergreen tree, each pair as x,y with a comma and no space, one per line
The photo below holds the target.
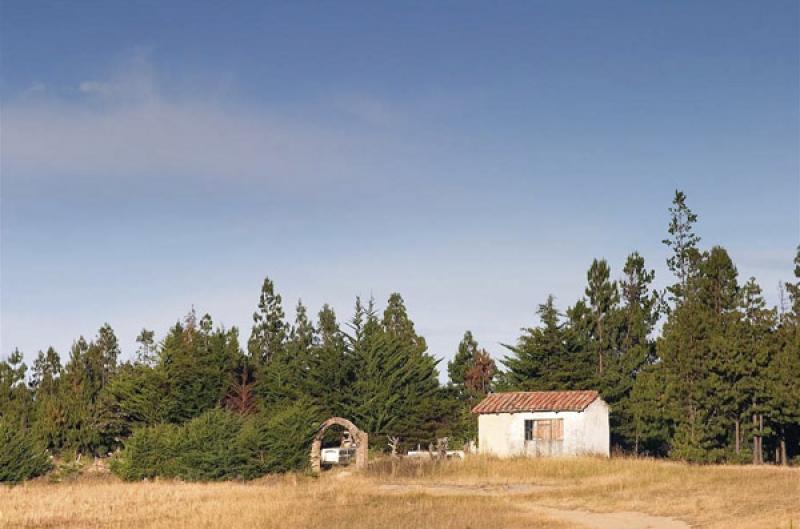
478,380
147,352
578,368
472,372
603,297
302,333
463,360
269,334
284,378
139,395
49,414
783,382
199,364
83,379
553,356
396,389
746,368
683,242
46,370
651,413
15,397
330,370
698,349
108,349
636,319
537,355
22,456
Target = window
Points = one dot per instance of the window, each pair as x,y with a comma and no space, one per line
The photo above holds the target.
529,430
544,430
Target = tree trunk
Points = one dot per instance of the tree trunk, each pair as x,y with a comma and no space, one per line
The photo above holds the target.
755,439
761,439
738,437
784,458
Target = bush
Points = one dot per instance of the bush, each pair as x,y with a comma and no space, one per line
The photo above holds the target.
22,456
208,447
278,440
149,452
220,445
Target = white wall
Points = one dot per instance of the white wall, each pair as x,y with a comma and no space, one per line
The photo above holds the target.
585,432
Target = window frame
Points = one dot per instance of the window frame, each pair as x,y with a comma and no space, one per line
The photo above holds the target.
534,430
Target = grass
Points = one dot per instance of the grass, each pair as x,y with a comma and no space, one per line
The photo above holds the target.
476,493
713,496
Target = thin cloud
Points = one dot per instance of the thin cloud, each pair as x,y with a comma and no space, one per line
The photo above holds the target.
124,127
96,87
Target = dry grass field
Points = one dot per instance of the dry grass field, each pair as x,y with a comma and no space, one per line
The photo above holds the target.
477,493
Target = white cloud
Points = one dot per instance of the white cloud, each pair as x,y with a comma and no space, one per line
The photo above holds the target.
125,127
159,139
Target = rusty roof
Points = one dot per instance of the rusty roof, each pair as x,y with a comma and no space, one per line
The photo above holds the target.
519,401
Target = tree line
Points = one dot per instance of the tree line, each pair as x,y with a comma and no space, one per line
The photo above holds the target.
718,382
703,371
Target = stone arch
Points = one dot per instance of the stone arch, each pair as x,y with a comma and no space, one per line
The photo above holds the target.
361,440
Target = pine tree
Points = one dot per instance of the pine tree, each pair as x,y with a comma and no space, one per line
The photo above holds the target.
652,413
330,369
747,364
462,361
683,243
16,401
637,318
783,382
472,372
269,335
49,414
302,332
78,397
603,297
284,378
698,349
577,368
46,370
147,352
108,348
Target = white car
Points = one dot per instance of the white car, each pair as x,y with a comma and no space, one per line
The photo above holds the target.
338,456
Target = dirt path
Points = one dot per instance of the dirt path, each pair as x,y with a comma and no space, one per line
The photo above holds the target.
612,520
580,519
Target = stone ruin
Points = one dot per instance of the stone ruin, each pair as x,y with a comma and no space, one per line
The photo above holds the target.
355,437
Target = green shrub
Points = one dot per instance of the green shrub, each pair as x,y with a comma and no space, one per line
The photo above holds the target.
149,452
278,439
220,445
208,448
22,456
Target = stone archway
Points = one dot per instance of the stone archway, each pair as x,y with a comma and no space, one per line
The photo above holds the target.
361,440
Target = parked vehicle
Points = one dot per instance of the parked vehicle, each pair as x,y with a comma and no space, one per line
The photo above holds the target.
338,456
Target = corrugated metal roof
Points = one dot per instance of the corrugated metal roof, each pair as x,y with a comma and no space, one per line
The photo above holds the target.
520,401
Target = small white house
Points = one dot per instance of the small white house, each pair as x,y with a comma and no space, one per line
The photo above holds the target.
543,423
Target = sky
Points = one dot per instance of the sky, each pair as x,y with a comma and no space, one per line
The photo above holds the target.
473,156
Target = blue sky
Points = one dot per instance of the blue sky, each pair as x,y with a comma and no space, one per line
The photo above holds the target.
473,156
